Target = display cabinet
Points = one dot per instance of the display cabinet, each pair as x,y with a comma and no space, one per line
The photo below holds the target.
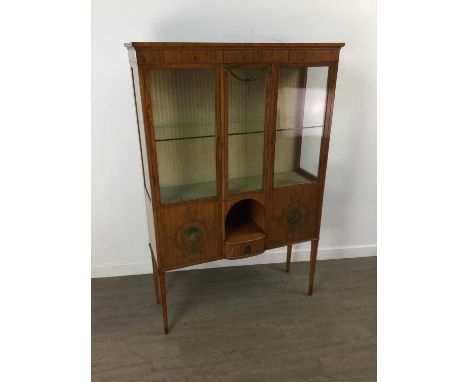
233,144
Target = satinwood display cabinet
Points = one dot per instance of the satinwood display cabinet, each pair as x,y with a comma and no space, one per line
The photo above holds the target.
234,143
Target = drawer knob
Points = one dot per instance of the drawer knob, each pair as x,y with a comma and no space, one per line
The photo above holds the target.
247,249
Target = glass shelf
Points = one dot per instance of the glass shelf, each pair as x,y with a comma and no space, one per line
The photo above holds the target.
245,133
184,138
174,132
245,127
238,133
204,136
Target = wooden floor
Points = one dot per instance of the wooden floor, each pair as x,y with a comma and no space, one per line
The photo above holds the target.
248,323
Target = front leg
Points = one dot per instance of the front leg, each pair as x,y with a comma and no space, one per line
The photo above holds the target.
288,258
313,261
162,289
155,278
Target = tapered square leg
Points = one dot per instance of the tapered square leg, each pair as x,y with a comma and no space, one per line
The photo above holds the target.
288,258
155,279
162,290
313,261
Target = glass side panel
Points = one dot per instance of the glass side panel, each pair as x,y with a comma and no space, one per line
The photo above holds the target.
141,131
183,105
302,94
246,124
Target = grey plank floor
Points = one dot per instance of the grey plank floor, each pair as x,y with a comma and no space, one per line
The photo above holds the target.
249,323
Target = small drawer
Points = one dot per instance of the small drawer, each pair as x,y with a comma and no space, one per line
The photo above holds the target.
245,249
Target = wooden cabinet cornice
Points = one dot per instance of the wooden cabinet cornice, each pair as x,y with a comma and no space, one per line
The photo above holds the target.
234,143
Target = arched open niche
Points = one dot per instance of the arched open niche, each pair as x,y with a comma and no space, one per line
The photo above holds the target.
245,221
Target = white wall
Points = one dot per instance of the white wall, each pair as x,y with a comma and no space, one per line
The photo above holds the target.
119,234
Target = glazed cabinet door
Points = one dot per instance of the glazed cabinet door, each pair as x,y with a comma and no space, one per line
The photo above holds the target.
300,118
185,121
299,125
246,94
184,118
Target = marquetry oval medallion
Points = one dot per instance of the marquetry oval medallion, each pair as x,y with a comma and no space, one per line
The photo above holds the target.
294,217
191,236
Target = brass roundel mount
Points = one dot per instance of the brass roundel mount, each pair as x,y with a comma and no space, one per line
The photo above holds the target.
190,236
294,217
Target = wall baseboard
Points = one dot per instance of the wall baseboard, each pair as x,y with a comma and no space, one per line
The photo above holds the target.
274,256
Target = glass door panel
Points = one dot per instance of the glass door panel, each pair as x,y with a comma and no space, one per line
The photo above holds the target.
302,94
246,125
183,105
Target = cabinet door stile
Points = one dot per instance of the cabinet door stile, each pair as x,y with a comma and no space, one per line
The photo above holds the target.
271,147
219,130
332,76
219,153
270,136
300,112
225,151
266,130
